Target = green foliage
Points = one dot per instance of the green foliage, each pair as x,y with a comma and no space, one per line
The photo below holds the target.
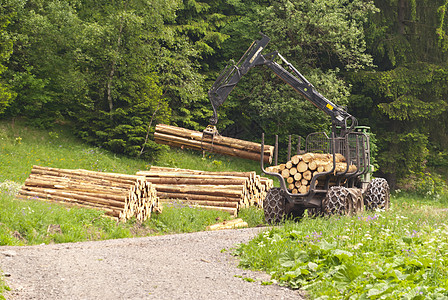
406,31
441,29
6,95
382,255
407,113
113,70
426,185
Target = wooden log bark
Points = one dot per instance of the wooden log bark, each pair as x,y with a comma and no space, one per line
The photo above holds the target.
245,188
119,195
157,169
218,139
231,224
302,166
301,169
181,137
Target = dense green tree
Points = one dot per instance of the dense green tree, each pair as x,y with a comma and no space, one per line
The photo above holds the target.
93,64
405,99
43,68
125,98
6,95
191,52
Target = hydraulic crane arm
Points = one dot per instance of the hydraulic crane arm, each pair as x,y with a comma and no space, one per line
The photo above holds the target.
231,75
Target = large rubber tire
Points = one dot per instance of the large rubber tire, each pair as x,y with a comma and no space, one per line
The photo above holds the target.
274,206
337,201
377,194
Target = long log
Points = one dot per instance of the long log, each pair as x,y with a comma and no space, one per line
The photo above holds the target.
92,174
81,186
202,202
233,191
64,200
180,142
187,196
74,195
197,181
157,169
217,139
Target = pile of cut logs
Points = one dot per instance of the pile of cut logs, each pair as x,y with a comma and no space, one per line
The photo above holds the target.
299,171
186,138
226,191
118,195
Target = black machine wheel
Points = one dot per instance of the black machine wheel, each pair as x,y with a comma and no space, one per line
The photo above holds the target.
377,194
337,201
274,206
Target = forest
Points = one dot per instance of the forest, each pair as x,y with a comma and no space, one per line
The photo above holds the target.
112,70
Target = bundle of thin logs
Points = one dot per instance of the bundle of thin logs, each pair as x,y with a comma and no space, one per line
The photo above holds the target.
118,195
226,191
186,138
299,171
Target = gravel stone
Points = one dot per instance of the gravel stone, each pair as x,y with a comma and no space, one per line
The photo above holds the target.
9,253
180,266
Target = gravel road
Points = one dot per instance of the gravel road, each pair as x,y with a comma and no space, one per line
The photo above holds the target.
181,266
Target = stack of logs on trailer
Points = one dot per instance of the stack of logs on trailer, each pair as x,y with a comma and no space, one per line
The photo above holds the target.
226,191
196,140
299,171
118,195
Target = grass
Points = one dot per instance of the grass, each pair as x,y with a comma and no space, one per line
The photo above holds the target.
400,253
25,222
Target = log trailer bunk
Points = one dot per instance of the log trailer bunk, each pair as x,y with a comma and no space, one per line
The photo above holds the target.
341,192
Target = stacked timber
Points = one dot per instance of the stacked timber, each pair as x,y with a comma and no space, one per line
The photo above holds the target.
118,195
226,191
186,138
299,171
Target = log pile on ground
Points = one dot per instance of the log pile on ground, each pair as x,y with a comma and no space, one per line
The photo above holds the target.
118,195
299,171
186,138
226,191
230,224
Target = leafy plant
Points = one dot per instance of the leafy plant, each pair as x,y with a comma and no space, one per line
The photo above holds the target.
385,254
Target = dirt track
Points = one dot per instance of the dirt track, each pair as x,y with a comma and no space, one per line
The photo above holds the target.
182,266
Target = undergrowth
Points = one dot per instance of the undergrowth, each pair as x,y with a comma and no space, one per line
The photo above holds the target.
395,254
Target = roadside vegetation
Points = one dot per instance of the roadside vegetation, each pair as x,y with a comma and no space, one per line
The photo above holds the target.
395,254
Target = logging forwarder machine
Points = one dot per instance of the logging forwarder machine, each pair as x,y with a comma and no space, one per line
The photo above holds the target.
339,191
